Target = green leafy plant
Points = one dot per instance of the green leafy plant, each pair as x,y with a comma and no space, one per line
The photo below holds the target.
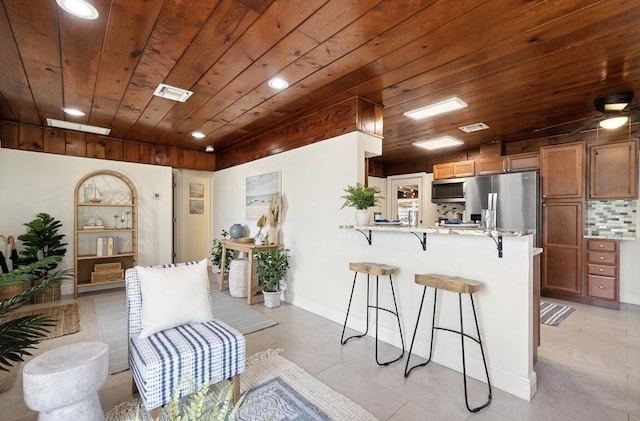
272,267
361,197
19,335
42,239
216,252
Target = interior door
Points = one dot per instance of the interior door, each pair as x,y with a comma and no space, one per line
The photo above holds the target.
405,192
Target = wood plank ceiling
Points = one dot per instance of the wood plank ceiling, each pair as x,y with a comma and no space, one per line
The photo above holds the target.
520,65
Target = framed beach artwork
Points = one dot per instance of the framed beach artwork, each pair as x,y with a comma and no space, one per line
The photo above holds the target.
196,190
260,189
196,206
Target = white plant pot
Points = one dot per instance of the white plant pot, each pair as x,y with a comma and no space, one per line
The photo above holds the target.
271,299
363,217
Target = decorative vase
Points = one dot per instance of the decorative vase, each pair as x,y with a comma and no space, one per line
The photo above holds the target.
271,299
362,217
272,234
236,231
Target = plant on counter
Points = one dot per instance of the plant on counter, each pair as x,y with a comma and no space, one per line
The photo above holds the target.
361,197
216,253
19,335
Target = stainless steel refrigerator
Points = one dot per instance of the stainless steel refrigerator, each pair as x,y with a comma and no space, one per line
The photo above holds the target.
515,199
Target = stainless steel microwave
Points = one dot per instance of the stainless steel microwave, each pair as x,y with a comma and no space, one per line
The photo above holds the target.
448,191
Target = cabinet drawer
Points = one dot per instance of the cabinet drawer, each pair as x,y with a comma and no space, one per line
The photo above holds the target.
602,270
601,287
601,258
603,245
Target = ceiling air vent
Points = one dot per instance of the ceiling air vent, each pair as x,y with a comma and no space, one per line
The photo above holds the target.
172,93
476,127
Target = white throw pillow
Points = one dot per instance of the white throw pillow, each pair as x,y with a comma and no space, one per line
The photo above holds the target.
174,296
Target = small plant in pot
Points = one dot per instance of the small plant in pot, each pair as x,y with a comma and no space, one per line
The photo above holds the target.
216,253
361,198
43,239
272,268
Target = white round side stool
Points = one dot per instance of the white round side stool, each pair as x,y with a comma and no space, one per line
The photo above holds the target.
63,384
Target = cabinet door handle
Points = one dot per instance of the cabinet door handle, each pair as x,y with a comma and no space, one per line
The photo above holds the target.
601,245
601,270
601,257
601,286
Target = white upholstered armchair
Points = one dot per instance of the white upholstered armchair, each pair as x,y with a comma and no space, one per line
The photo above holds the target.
174,342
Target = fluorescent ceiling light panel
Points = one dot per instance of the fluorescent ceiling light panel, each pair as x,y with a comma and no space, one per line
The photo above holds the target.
78,8
172,93
197,135
79,127
440,107
614,122
438,142
475,127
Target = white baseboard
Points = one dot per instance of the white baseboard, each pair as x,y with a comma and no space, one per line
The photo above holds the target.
521,387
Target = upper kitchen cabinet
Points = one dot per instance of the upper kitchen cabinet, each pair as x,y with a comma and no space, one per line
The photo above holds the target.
523,162
489,166
614,171
563,171
454,170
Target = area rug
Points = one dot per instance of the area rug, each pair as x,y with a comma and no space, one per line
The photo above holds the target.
66,316
278,390
111,314
552,314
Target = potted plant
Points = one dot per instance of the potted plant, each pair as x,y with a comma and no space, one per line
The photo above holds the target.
361,198
19,335
41,240
272,268
216,254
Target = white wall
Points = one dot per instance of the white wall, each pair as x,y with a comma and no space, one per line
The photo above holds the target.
313,179
34,182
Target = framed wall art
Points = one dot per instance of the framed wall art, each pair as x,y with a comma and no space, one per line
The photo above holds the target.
196,190
259,191
196,206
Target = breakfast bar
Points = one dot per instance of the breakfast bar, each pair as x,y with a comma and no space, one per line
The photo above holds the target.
505,305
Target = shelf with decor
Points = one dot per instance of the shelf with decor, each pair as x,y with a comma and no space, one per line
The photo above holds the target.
106,229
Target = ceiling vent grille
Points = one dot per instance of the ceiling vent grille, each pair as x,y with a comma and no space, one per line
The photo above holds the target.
172,93
77,126
476,127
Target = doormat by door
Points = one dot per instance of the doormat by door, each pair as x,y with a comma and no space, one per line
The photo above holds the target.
552,314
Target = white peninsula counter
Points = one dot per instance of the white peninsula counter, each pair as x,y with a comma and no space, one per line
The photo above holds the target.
504,305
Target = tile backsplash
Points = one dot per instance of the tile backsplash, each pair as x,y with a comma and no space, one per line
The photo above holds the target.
446,210
611,218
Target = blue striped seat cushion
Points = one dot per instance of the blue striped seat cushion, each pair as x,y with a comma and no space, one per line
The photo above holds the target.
184,358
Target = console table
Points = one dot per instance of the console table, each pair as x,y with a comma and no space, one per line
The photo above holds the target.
245,248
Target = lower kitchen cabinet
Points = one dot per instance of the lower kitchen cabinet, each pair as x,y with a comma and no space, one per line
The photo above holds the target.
602,272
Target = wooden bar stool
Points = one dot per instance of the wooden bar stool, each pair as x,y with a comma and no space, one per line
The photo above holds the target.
377,270
461,286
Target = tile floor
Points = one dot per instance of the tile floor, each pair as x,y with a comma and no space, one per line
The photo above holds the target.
588,369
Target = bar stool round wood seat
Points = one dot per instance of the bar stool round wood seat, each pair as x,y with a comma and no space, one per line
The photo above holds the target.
461,286
377,270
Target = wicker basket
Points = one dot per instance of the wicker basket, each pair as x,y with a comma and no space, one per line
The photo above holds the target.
238,272
101,267
51,294
107,275
7,377
10,292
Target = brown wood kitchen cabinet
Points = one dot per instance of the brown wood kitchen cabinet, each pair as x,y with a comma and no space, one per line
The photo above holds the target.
523,162
613,171
489,166
562,245
602,272
563,171
454,170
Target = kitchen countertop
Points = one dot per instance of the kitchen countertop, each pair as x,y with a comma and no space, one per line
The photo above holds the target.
440,230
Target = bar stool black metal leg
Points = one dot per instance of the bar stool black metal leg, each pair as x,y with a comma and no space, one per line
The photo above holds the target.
342,339
395,305
408,370
378,308
484,361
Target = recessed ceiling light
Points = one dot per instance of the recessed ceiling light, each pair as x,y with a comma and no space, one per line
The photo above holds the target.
475,127
438,142
209,148
197,135
73,111
78,8
439,107
75,126
278,83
